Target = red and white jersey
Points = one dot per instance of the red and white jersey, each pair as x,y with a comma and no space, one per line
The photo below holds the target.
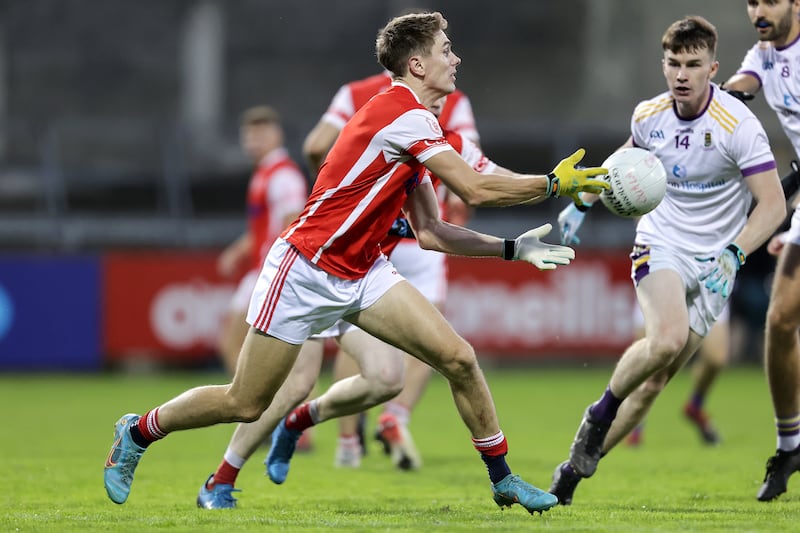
365,180
469,152
456,114
277,189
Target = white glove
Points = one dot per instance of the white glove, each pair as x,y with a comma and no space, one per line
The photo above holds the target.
528,247
721,272
569,220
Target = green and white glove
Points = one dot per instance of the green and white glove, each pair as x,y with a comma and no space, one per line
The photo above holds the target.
569,220
721,272
529,248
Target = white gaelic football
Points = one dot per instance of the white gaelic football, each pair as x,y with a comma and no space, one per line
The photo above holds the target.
638,182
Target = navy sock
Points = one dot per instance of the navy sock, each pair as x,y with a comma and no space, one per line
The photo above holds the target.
605,409
138,438
497,467
697,400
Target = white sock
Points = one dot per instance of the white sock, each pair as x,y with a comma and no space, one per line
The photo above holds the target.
400,412
788,443
233,459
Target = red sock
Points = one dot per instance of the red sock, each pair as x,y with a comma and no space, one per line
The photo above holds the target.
149,428
493,452
300,418
492,446
225,475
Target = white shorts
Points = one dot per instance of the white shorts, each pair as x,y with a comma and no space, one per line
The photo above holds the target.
426,270
705,307
638,317
337,330
794,231
241,298
295,299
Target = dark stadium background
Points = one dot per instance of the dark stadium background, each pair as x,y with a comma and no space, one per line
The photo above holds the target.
118,133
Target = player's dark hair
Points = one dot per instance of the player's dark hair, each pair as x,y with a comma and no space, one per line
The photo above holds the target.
406,36
258,115
690,34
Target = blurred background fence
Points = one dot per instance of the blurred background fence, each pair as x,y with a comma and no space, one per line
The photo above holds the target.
118,120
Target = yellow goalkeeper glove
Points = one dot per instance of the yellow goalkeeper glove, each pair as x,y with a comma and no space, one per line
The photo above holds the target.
568,180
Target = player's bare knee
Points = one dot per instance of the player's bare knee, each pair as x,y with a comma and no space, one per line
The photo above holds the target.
393,387
245,410
662,349
386,394
459,364
393,384
251,412
298,389
386,382
781,320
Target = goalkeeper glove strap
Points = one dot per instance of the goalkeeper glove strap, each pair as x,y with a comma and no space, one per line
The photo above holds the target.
509,246
738,253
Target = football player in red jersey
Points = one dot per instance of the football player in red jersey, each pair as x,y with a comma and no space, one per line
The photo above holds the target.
276,194
328,265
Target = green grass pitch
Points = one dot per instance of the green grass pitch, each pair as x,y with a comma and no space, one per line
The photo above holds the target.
57,430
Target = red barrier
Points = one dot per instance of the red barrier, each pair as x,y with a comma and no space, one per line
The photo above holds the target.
170,306
167,305
512,309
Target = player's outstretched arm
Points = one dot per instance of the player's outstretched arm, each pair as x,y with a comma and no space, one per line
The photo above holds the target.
234,256
570,219
485,190
317,144
435,234
529,247
742,86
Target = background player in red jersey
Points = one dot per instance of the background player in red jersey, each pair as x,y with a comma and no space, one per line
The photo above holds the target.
275,196
328,265
426,270
455,115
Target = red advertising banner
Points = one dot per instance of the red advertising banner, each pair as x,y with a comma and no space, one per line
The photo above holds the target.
168,305
511,309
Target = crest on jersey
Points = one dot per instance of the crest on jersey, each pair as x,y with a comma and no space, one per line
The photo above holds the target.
481,165
435,127
707,140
